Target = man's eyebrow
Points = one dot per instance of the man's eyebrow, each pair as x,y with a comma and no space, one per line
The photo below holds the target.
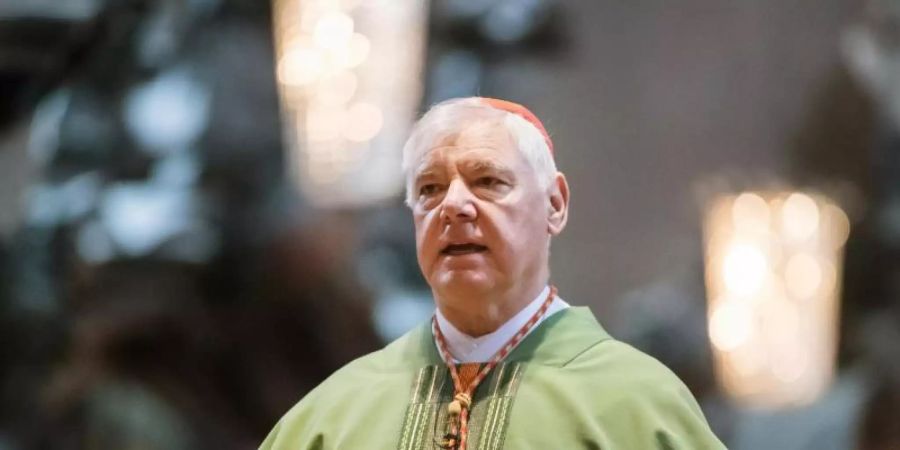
425,173
488,166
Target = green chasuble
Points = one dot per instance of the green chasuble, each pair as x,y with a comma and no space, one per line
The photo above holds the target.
567,386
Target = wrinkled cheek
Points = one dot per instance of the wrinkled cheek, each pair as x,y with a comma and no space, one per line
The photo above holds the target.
526,241
421,222
426,236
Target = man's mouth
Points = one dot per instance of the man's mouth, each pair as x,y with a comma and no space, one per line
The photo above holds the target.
462,249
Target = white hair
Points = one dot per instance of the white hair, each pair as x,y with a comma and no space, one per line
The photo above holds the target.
449,117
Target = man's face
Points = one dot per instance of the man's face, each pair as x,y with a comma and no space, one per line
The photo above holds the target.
480,214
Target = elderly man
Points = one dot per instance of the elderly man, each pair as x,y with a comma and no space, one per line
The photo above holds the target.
504,363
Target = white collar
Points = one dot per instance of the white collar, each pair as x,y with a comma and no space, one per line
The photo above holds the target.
465,349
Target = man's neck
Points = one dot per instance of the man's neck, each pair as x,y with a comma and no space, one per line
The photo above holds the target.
483,315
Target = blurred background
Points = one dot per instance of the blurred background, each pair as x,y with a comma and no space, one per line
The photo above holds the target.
201,214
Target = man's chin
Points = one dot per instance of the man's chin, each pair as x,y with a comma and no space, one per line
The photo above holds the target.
463,282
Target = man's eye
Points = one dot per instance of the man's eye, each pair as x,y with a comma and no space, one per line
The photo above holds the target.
488,182
429,189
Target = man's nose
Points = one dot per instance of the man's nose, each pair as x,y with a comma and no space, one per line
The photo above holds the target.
458,203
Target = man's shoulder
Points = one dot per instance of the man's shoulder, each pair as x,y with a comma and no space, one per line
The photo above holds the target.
626,375
578,343
614,351
626,384
620,363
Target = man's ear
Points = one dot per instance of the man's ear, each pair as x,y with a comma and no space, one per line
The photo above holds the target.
559,205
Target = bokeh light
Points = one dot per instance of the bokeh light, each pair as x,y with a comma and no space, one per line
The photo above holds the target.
773,294
346,112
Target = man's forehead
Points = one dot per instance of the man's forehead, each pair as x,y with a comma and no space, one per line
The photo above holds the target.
490,144
477,156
